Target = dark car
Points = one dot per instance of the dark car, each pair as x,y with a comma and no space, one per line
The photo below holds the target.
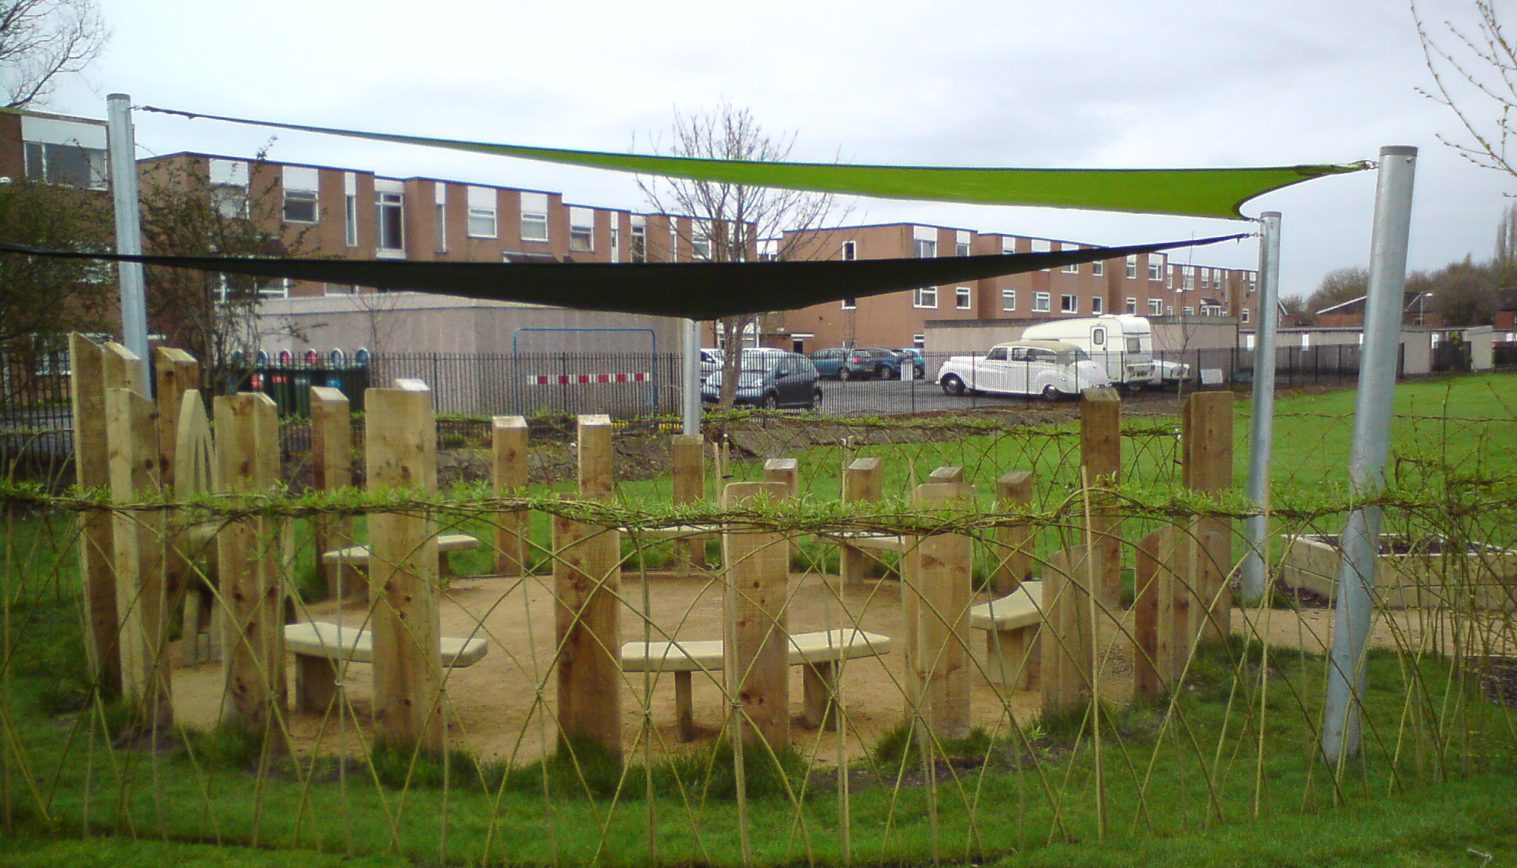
870,362
770,380
828,362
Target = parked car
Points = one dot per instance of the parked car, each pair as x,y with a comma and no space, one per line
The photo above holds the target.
711,361
918,364
828,362
870,362
771,380
1046,368
1171,373
1122,342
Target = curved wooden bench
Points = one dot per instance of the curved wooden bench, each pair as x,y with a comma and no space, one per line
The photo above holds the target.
319,645
820,652
1011,624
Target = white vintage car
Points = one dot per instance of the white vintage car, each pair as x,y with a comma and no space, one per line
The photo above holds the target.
1045,368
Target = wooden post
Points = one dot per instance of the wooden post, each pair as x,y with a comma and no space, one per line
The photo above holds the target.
331,469
1067,643
1147,683
249,557
689,467
1101,458
1178,619
1014,561
596,481
195,472
176,372
863,481
131,426
786,472
756,642
938,584
401,453
1207,439
513,529
97,547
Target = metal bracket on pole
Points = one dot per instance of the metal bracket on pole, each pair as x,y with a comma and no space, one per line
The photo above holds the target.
123,150
1263,421
1372,432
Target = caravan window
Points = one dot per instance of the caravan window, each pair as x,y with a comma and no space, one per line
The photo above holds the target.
1098,337
1132,345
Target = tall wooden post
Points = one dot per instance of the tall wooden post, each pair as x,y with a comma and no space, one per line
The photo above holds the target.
249,556
331,469
1101,459
937,589
587,584
1207,440
863,481
131,424
97,547
786,472
176,372
1014,560
1148,680
513,530
757,639
1068,641
401,453
689,467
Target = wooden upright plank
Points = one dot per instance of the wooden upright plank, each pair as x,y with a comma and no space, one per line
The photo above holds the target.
1146,681
863,481
1068,644
1101,458
756,638
1176,620
1208,445
176,372
509,475
596,481
401,453
688,453
131,423
96,539
587,584
331,469
1014,560
123,369
249,555
786,471
938,578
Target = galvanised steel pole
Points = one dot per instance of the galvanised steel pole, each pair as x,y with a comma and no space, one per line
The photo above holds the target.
1372,430
1262,436
691,352
123,149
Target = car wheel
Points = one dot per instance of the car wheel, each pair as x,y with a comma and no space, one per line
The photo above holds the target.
771,402
1134,387
1050,392
919,375
952,385
816,400
843,374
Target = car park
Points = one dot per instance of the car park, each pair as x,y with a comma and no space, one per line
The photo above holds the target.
771,380
864,363
1049,369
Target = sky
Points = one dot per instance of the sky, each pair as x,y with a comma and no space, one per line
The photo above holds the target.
1157,83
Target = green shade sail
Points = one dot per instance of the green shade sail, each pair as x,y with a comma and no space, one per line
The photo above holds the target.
695,290
1186,192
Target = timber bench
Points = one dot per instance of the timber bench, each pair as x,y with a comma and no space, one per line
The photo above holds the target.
358,556
318,646
1011,641
820,652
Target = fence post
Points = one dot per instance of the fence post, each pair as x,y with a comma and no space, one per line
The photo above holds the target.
332,468
1207,440
587,584
401,453
97,548
1101,458
1161,610
1015,558
177,373
689,465
938,584
131,423
1066,643
513,528
786,472
756,641
862,482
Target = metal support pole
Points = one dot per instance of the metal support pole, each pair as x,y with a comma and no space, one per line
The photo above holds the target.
1372,429
1263,429
691,351
123,149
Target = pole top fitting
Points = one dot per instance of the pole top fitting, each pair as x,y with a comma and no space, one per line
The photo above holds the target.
113,97
1399,151
1265,215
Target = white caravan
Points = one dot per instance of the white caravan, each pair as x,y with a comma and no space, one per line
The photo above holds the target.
1121,342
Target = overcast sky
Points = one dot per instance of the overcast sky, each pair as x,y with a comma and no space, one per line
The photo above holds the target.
1155,83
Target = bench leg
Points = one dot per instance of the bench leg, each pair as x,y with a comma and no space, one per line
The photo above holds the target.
819,686
315,683
1008,660
684,714
853,565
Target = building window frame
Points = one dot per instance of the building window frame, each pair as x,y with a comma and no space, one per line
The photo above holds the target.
390,222
925,297
1155,267
582,230
1042,302
1132,305
534,217
1008,300
1097,305
1155,307
1069,302
963,298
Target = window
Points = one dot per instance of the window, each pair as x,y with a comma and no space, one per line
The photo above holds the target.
639,239
1169,278
534,216
482,214
1155,267
616,240
1248,342
1098,337
1155,307
1008,245
1069,303
1097,304
1041,302
299,194
341,289
440,215
1073,267
350,208
1169,310
962,299
850,304
1132,267
1188,310
1008,299
1098,268
673,239
925,249
926,296
390,218
64,152
582,229
1245,313
700,240
1039,245
278,287
961,243
850,250
1132,305
1253,281
1189,275
229,188
919,341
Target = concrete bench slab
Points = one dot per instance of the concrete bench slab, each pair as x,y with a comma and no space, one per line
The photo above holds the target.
358,556
1011,624
319,646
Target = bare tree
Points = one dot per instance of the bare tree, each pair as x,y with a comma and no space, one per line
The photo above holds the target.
730,221
1474,70
1505,262
1343,284
41,40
